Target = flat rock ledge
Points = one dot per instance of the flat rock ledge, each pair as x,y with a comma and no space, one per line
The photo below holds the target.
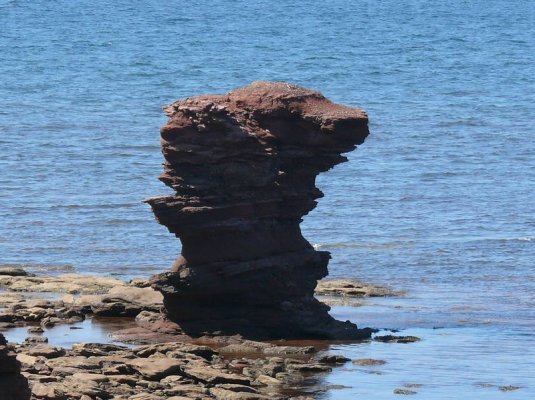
243,167
45,301
351,292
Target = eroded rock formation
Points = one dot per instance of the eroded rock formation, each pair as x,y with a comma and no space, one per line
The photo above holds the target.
243,166
13,386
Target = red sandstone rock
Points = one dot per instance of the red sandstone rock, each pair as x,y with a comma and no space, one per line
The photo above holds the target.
243,166
13,386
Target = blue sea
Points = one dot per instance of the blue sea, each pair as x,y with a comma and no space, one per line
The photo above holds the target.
438,202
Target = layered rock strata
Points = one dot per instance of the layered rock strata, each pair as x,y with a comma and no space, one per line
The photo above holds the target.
13,386
243,166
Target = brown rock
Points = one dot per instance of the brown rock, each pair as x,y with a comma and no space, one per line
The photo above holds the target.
245,347
353,288
127,301
289,350
46,351
34,340
508,388
46,391
63,372
13,271
8,317
396,339
179,398
78,362
85,376
290,378
97,349
165,348
35,329
316,368
187,390
145,396
214,376
13,386
127,379
237,388
26,360
76,388
68,283
243,166
155,368
267,380
331,359
368,362
404,391
223,394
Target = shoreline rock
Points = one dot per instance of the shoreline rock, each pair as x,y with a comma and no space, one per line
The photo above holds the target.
170,365
166,370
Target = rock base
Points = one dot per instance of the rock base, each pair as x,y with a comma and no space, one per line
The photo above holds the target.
236,301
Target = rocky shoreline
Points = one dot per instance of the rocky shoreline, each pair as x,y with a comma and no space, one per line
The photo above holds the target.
166,363
174,370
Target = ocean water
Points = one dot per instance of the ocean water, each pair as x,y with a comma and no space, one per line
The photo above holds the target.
438,202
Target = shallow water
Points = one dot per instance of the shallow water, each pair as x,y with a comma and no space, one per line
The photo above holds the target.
92,330
438,201
469,358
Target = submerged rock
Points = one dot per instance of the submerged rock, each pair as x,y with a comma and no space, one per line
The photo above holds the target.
508,388
368,362
243,166
396,339
404,391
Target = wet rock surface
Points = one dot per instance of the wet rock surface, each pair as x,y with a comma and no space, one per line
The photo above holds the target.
243,166
396,339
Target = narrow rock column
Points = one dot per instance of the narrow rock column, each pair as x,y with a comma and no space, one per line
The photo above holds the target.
13,386
243,166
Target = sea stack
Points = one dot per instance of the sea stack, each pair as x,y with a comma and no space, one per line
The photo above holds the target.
13,386
243,167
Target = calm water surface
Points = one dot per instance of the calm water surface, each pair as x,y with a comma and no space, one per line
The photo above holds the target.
438,201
